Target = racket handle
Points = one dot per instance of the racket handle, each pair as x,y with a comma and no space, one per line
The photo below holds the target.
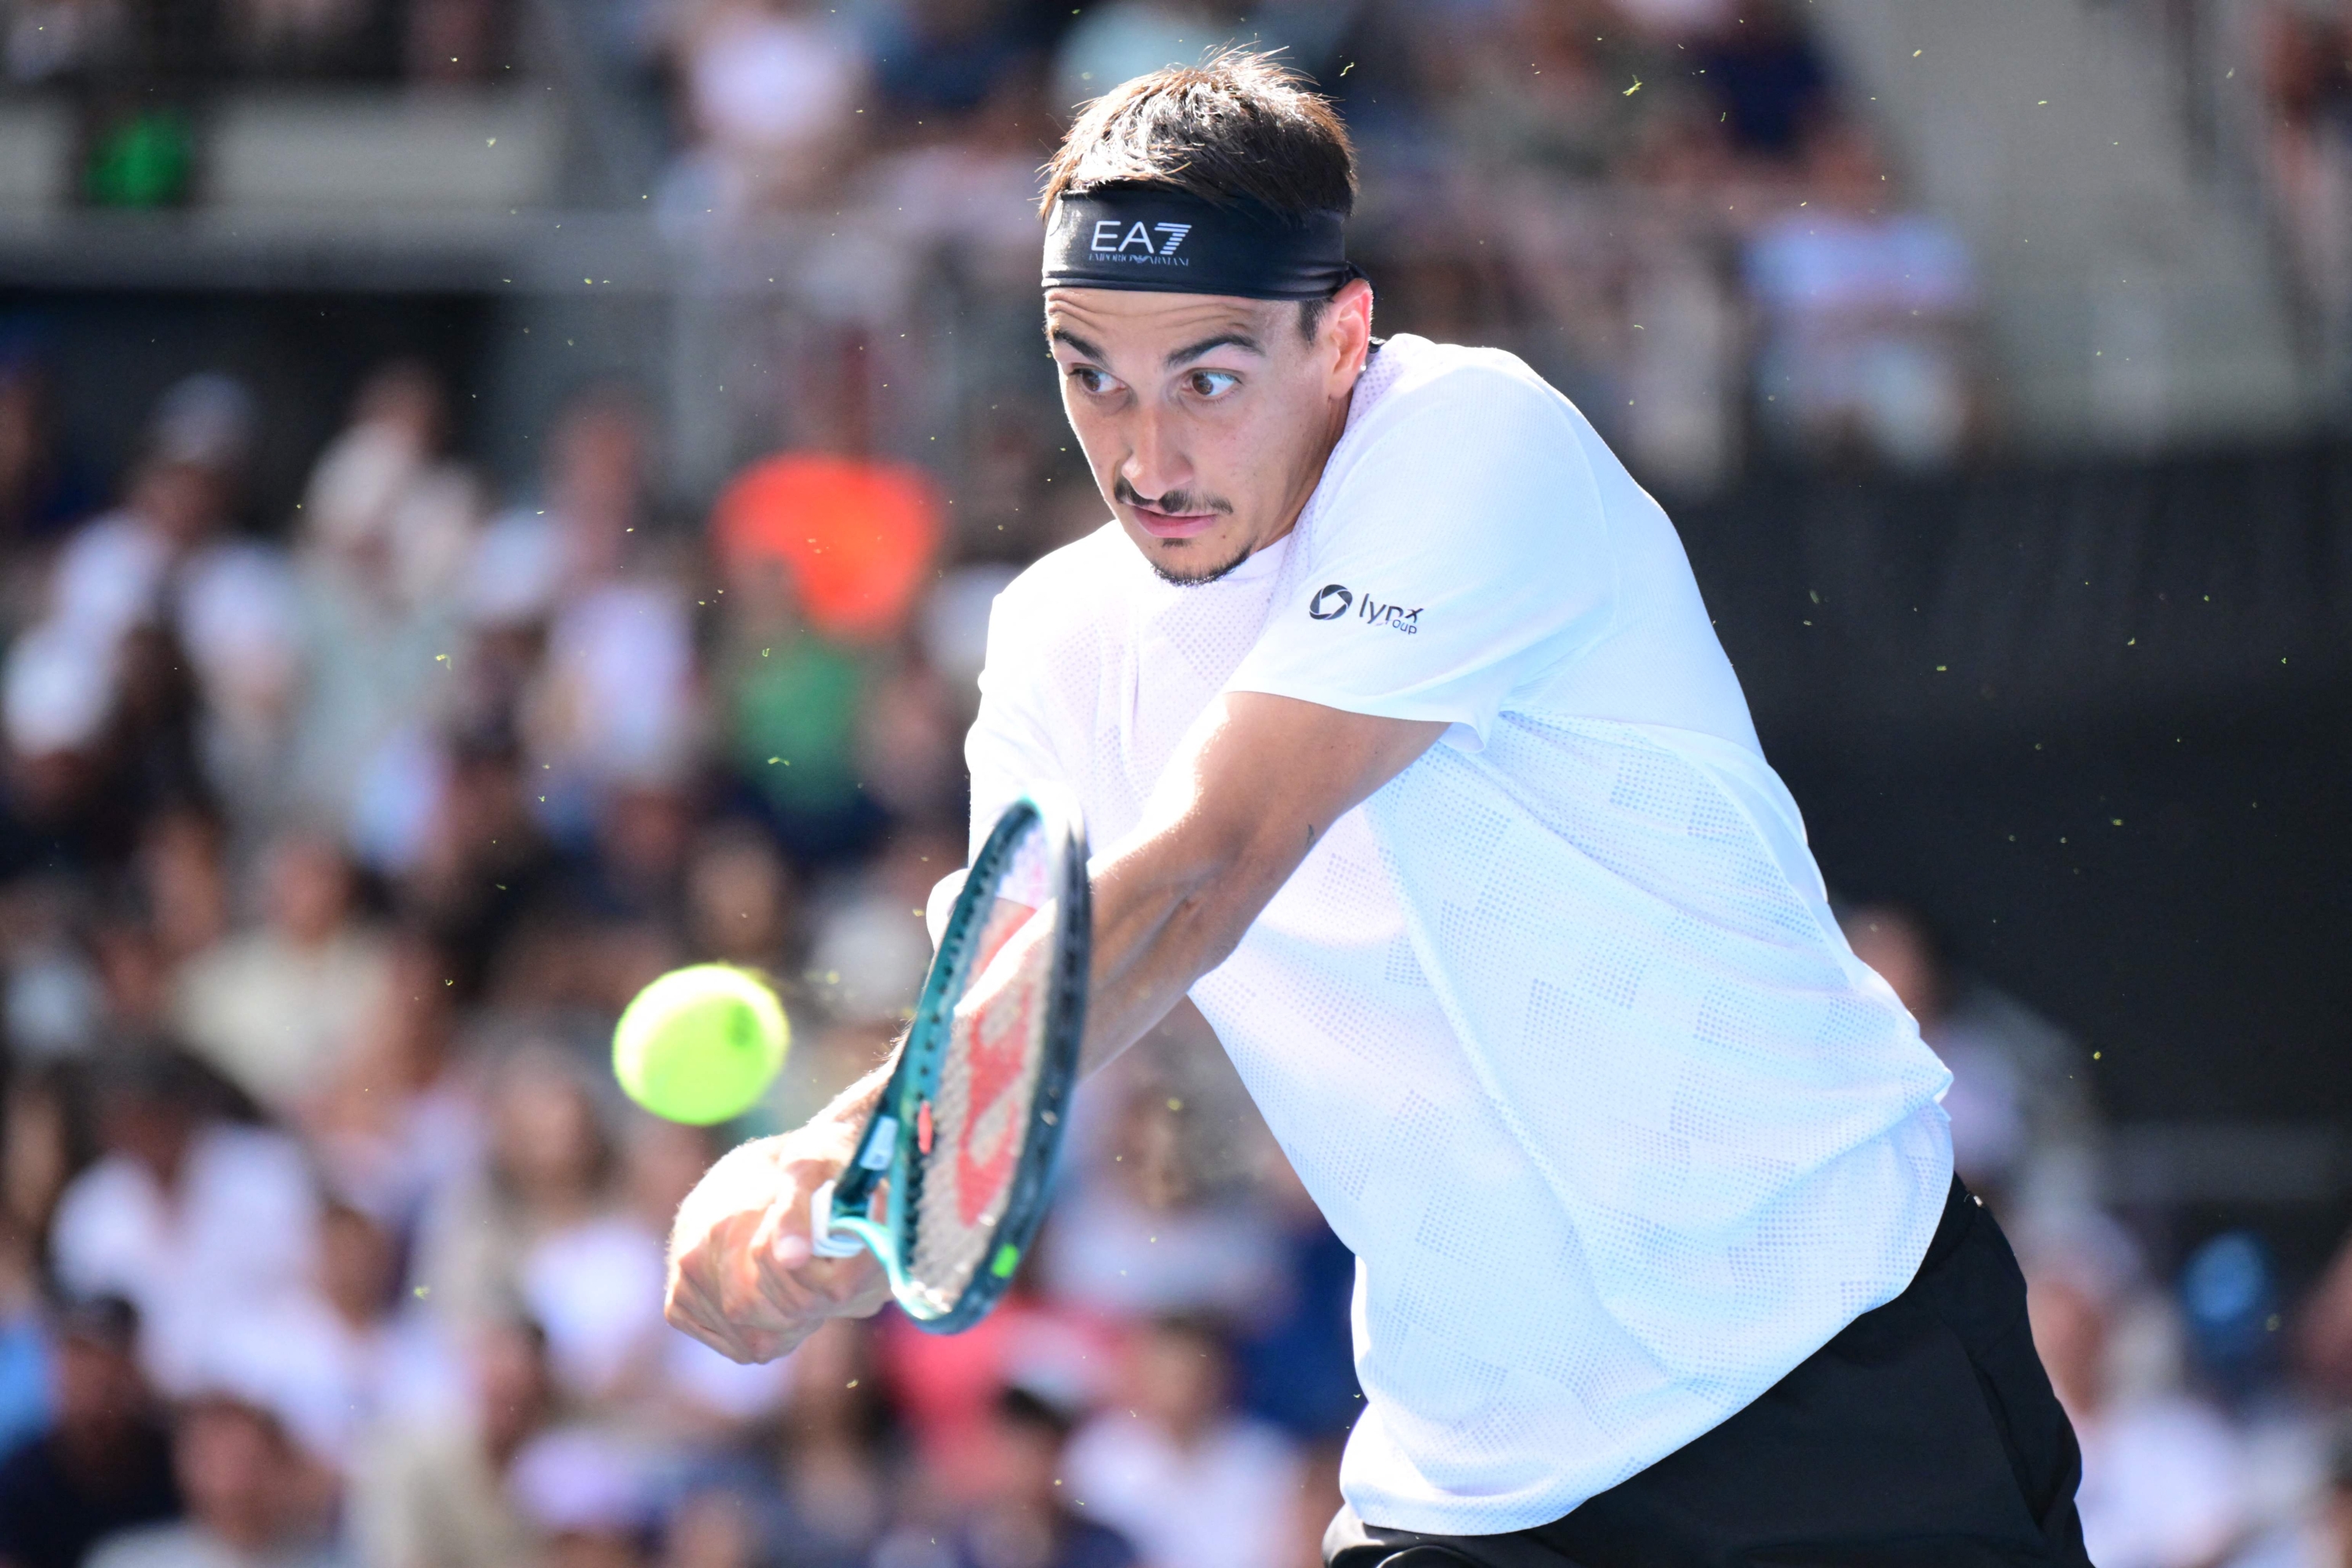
824,1240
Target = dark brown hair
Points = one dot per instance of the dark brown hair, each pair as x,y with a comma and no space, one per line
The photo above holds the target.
1238,126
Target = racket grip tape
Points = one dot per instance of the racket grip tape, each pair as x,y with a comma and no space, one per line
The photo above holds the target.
823,1240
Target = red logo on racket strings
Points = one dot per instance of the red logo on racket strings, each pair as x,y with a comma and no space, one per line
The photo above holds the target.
995,1039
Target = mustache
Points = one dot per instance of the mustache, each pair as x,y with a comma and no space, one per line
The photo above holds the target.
1179,504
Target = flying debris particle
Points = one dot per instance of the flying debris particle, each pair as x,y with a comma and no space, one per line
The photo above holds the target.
1343,71
1915,54
1633,90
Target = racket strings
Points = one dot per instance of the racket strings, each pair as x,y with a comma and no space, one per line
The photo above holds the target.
979,1118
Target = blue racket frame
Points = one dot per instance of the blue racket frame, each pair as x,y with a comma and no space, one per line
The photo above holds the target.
842,1213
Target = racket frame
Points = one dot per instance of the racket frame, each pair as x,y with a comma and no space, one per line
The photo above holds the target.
846,1214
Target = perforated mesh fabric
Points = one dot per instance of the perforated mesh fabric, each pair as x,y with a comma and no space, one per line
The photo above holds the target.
1556,1027
971,1131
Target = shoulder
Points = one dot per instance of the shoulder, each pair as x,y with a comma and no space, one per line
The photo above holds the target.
1414,381
1438,422
1065,592
250,1162
1476,438
101,1193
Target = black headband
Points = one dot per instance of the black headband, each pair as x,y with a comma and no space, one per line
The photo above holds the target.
1172,242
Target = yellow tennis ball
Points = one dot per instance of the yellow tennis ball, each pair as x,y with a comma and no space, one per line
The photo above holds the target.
700,1044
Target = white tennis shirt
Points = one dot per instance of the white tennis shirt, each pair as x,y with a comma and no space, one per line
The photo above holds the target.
1556,1026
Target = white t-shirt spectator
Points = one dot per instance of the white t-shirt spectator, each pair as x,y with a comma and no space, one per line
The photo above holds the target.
237,1240
1556,1027
1228,1500
2164,1485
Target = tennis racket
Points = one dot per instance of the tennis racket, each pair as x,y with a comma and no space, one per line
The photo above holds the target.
951,1175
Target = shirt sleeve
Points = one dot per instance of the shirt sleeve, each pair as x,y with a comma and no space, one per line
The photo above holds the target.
1463,551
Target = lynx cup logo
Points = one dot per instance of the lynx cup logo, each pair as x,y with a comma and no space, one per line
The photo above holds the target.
1140,243
1332,601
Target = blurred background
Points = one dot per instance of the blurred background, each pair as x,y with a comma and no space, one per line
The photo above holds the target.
498,498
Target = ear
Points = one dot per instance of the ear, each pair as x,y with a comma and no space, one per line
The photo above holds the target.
1347,335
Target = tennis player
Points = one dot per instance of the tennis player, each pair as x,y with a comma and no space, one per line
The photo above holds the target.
1419,769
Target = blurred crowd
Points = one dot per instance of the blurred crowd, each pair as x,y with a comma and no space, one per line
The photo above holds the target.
327,854
1673,208
333,840
1670,206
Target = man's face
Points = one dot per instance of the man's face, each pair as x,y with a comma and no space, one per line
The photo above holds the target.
1206,419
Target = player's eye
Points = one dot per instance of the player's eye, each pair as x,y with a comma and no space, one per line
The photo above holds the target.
1090,379
1211,383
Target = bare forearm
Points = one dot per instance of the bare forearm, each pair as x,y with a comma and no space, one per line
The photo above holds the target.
1262,784
1163,917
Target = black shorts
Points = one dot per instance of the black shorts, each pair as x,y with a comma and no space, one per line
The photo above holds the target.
1923,1435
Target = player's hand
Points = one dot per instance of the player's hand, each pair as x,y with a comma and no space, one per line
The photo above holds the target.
742,1278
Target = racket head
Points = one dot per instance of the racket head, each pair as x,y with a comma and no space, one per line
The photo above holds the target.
972,1118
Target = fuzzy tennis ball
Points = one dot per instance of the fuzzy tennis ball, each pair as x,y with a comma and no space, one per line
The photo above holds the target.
700,1044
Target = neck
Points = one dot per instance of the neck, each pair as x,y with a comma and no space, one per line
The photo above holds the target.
1334,425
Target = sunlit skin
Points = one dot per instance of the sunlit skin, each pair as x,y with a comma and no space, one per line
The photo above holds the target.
1205,419
1207,422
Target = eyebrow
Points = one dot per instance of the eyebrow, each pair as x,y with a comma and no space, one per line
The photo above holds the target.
1064,335
1222,340
1190,352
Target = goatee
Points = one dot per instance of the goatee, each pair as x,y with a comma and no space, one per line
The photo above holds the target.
1199,579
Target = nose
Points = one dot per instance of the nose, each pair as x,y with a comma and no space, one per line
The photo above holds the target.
1154,464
